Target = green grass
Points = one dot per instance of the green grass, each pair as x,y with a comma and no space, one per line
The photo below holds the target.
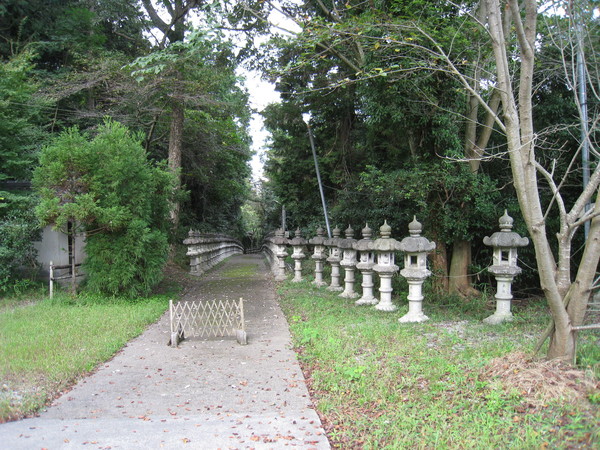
381,384
46,345
240,270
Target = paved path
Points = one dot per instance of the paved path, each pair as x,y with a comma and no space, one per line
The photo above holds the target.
206,394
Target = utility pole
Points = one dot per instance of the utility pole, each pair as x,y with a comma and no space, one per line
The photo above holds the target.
578,18
314,152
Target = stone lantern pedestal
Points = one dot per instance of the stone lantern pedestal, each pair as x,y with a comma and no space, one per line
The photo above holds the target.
365,265
348,263
384,249
504,267
334,259
318,256
415,248
298,254
281,253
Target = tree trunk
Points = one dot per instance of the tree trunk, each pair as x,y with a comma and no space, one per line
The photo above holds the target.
459,280
439,264
174,159
562,344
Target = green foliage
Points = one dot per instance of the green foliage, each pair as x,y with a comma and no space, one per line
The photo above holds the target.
215,144
21,133
107,185
18,231
445,196
129,262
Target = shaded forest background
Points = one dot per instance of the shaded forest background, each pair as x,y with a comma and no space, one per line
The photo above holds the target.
396,134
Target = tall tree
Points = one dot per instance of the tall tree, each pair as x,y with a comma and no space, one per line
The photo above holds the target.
566,296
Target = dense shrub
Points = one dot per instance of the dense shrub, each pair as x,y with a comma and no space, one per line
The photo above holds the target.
18,231
107,185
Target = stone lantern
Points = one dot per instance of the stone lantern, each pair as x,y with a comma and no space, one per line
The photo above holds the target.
348,262
334,259
384,249
319,256
415,248
504,267
280,253
298,255
365,265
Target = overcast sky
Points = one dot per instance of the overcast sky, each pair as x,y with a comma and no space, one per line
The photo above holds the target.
261,94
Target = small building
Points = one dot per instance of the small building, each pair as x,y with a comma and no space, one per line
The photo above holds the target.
54,246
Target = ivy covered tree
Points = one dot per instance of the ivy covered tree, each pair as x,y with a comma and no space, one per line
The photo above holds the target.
21,135
106,185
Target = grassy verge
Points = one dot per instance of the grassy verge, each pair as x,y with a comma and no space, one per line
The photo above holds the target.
47,345
451,382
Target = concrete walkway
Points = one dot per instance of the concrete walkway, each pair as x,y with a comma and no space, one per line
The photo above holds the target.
206,394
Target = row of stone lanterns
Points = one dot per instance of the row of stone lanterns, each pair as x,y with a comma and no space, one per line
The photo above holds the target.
370,255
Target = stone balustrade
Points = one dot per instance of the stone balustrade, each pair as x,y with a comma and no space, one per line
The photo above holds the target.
206,250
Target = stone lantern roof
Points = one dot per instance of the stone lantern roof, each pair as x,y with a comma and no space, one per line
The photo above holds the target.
333,242
349,241
319,239
298,239
366,243
415,243
279,238
505,238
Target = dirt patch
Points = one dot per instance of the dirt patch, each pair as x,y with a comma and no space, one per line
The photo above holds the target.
541,381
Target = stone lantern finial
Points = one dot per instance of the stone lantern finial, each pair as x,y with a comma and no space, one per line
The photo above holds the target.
385,231
349,232
367,232
506,222
336,232
415,227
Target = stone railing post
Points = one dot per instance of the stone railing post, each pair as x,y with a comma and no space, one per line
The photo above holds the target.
365,265
384,248
298,254
319,256
415,248
334,259
504,267
348,262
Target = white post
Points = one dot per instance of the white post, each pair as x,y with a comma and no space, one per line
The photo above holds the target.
174,337
51,279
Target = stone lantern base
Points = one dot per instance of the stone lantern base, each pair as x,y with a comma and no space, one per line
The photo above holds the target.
502,313
367,288
503,300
